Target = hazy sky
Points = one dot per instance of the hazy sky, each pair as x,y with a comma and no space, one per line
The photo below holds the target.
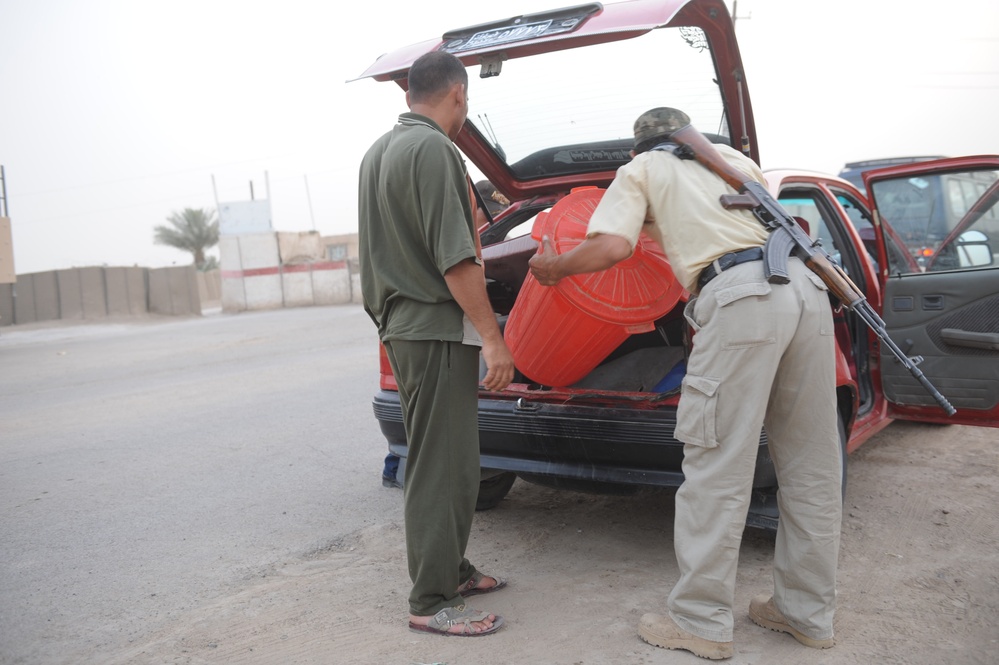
115,113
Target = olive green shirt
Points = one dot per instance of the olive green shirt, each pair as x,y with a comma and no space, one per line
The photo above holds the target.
415,222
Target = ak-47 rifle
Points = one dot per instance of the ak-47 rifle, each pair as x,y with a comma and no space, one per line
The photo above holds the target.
787,238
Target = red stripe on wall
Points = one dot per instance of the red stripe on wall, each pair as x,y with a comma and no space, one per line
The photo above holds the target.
279,270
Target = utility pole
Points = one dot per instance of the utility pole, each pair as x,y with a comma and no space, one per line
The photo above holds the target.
7,273
3,194
735,13
309,198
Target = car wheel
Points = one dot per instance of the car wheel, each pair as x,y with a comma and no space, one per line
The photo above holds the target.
493,488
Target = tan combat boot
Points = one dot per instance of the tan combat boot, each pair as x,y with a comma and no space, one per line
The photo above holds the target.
763,611
663,632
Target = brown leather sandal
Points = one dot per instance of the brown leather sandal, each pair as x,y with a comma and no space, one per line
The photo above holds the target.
471,587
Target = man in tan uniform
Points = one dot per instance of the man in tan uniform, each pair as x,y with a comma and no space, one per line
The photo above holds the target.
763,354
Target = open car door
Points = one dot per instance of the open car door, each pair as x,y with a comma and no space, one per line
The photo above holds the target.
939,268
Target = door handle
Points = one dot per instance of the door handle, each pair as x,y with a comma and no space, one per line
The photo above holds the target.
975,340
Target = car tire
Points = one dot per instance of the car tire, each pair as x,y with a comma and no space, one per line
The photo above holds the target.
493,489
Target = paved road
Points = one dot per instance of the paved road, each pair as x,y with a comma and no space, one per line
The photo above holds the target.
146,466
207,491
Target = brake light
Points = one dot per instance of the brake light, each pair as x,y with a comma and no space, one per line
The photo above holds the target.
925,252
386,380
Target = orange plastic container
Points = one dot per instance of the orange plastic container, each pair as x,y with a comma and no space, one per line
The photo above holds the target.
559,334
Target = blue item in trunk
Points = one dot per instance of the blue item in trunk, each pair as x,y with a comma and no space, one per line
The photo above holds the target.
672,379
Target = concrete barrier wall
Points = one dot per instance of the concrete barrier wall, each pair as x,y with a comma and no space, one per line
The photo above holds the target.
173,291
259,271
332,285
47,301
296,287
116,288
93,293
355,288
69,294
126,291
233,287
97,293
261,261
209,287
23,301
36,298
250,275
6,304
271,270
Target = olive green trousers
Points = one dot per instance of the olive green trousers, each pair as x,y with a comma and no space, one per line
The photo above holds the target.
438,388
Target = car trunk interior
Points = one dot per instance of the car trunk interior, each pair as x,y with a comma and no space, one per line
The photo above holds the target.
648,362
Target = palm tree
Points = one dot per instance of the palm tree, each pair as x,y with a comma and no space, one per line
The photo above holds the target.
193,230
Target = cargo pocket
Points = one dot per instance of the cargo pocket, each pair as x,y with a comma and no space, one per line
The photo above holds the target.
816,280
742,323
826,326
696,414
688,313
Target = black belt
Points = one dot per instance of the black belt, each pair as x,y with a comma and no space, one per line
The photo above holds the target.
726,261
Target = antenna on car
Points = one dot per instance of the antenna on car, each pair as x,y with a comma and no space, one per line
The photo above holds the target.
488,126
742,114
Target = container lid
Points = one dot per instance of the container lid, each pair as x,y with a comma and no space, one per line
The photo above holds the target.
638,290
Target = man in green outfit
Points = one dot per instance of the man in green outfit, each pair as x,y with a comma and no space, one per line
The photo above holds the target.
424,287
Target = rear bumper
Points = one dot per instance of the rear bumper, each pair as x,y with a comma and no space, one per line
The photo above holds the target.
592,444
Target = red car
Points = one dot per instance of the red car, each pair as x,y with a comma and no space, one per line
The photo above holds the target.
552,111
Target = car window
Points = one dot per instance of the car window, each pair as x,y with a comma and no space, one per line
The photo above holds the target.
858,214
825,227
860,217
854,171
947,221
808,205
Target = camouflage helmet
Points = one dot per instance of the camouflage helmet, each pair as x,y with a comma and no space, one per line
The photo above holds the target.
658,123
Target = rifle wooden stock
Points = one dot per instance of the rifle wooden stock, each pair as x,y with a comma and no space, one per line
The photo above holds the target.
792,239
839,284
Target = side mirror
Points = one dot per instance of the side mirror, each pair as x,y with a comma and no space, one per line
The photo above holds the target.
973,250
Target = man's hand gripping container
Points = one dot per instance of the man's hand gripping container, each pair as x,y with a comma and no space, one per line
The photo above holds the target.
559,334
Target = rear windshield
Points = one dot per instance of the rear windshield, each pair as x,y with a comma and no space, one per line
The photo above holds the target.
573,111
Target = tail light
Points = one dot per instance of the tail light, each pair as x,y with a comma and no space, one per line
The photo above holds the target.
386,380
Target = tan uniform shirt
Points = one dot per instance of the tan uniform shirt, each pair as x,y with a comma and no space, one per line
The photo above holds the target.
675,201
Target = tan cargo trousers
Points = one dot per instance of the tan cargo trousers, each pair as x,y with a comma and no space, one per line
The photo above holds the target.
763,355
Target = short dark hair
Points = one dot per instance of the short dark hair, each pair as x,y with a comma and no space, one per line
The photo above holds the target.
433,74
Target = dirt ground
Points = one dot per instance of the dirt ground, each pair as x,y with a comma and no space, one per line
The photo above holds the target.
919,578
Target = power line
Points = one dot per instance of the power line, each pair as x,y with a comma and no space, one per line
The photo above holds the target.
153,176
